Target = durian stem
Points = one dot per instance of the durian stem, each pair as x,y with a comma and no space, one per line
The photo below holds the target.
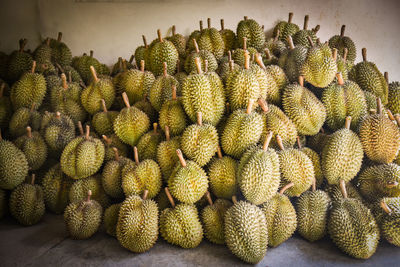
390,115
277,35
342,184
91,53
209,199
364,54
181,159
244,43
89,194
33,179
209,23
58,115
334,54
279,141
142,65
155,127
198,65
267,140
397,117
165,69
301,80
173,92
167,136
339,78
81,128
116,154
259,61
47,42
347,122
59,37
94,74
245,17
342,30
22,45
205,65
346,51
314,185
229,55
131,58
29,132
222,24
87,132
310,41
199,118
234,200
33,67
106,139
392,184
103,104
263,104
64,81
290,42
316,29
246,60
145,194
385,207
318,41
171,200
231,65
136,155
286,187
144,41
219,152
173,30
379,105
196,46
290,17
59,67
267,53
386,74
159,36
298,142
69,76
305,26
126,99
201,25
2,89
322,130
250,106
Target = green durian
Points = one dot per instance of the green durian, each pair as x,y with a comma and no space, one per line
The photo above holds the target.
19,62
228,36
179,41
172,115
301,37
254,33
292,59
166,154
148,143
285,29
5,108
341,42
103,121
109,143
80,188
111,215
22,118
203,55
60,52
389,220
162,51
210,39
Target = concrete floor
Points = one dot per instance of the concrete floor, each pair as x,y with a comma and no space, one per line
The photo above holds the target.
46,244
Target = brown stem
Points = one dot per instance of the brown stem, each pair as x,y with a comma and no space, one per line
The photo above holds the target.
89,194
173,92
136,155
126,99
209,23
298,142
378,105
290,17
231,64
245,17
250,106
91,53
286,187
234,200
301,80
277,35
340,78
171,200
145,194
58,115
267,140
33,179
222,24
80,128
103,104
316,29
343,188
144,41
205,65
33,67
246,60
59,67
116,154
397,117
364,54
106,139
342,30
314,185
209,199
279,141
69,76
87,132
334,54
33,106
386,74
181,159
142,65
259,61
290,42
29,132
199,118
310,41
173,30
94,74
346,51
167,135
198,65
390,115
244,43
155,127
165,69
347,122
306,18
263,104
372,111
59,37
385,207
160,36
267,53
201,25
219,152
131,58
392,184
196,46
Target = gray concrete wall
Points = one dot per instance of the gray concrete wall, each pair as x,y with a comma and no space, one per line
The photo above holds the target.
113,28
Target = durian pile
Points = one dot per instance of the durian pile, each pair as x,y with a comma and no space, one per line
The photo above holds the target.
231,136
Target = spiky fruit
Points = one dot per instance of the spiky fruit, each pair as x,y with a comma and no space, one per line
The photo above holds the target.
199,141
394,97
112,175
109,143
103,121
292,59
222,173
301,37
243,129
274,45
295,167
148,143
254,33
34,148
111,215
335,192
99,88
145,106
28,90
60,53
212,217
82,65
380,181
13,165
82,157
280,217
180,225
258,173
161,90
210,39
188,181
342,155
342,99
27,204
179,41
312,214
131,123
319,68
352,227
279,82
286,28
228,36
316,160
172,114
194,35
141,176
303,108
137,226
19,62
239,54
246,232
162,51
166,154
56,187
80,188
83,218
389,220
369,78
341,42
203,55
5,108
142,52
